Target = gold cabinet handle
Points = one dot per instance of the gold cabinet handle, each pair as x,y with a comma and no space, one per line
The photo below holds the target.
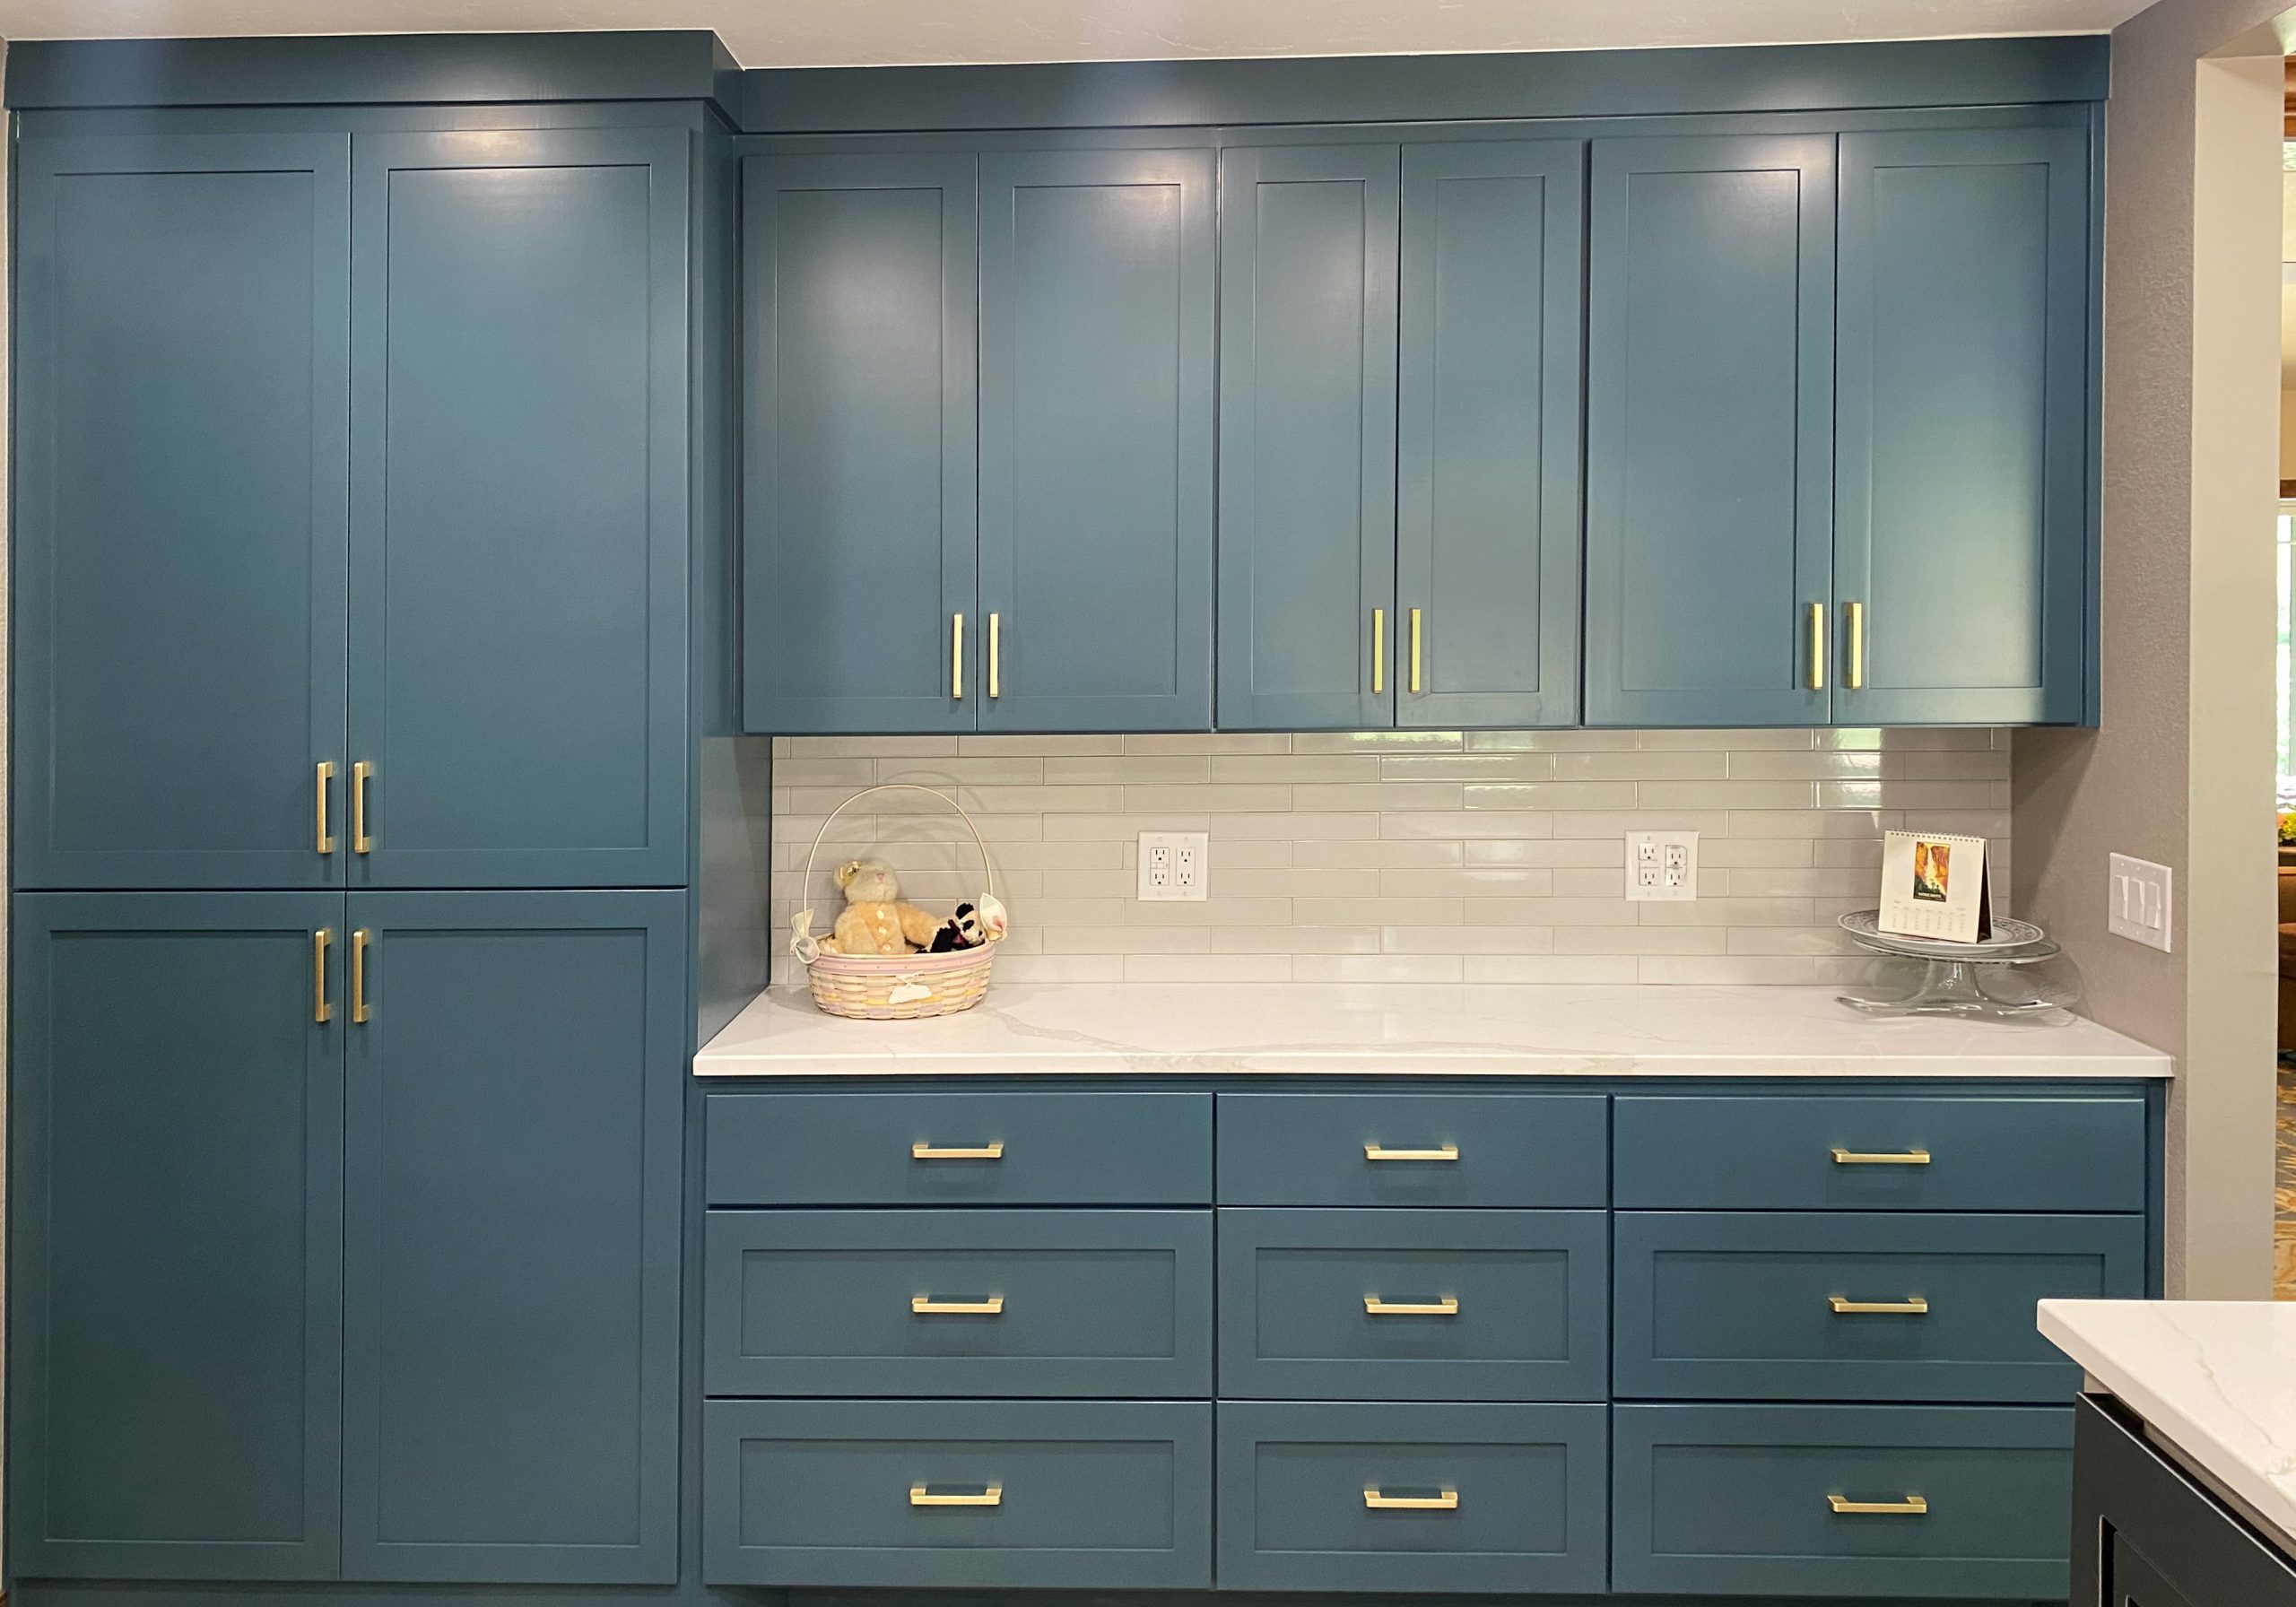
923,1495
1381,1153
957,657
1379,651
926,1306
1414,650
1449,1305
322,1009
1853,673
360,774
1911,1506
994,1151
326,785
359,941
1378,1501
1881,1158
995,641
1817,647
1911,1305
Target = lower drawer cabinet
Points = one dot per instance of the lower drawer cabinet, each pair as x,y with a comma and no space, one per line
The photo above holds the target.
1905,1501
1857,1305
958,1494
1412,1500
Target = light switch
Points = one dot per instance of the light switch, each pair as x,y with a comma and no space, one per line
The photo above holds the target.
2138,901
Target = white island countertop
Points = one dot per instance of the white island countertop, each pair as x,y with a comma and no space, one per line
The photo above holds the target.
1329,1030
2216,1379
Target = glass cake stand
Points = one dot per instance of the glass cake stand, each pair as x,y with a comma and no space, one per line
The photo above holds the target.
2018,974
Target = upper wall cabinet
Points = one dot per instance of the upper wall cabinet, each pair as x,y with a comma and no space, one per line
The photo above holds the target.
518,514
1070,587
180,493
1709,419
1961,498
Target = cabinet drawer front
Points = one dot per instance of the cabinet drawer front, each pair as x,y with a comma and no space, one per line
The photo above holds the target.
1545,1149
1742,1305
1740,1500
959,1149
1507,1498
1857,1152
1013,1303
1092,1495
1471,1305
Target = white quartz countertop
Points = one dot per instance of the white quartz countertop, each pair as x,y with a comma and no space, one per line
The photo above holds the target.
2215,1378
1328,1030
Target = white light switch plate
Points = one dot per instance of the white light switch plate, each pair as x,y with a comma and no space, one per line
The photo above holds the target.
2137,901
1172,868
1661,867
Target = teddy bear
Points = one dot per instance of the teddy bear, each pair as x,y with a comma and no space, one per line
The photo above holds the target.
874,920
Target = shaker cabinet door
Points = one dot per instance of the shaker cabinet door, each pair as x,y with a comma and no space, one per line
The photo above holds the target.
1308,244
181,303
1487,506
1097,348
519,474
1962,512
1709,419
858,503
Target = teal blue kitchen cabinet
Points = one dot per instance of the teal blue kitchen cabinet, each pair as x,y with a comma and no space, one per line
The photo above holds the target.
179,525
511,1236
518,508
1030,550
175,1187
1709,426
1961,469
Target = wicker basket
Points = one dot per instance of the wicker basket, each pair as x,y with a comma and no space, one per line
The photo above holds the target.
894,987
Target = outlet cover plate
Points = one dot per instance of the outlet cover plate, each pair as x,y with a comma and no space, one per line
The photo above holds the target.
1172,868
1661,867
2137,901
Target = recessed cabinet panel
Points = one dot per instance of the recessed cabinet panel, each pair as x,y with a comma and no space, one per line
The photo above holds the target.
179,516
1961,516
519,508
1709,413
858,510
175,1241
1308,248
1487,475
1096,439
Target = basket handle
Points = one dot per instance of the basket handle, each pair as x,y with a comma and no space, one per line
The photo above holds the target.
987,871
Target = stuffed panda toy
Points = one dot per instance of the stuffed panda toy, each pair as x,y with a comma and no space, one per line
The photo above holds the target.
962,930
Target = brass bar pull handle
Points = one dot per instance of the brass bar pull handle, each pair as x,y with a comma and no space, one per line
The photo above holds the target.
995,641
359,941
1449,1305
326,785
923,1495
322,1009
360,774
926,1306
1911,1305
1853,673
1414,650
1911,1506
957,657
1379,651
1881,1158
1381,1153
994,1151
1378,1500
1817,647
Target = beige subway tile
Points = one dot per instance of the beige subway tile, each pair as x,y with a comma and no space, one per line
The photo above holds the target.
1209,968
1115,825
1729,912
1730,853
1643,765
1561,740
1758,882
1468,767
1378,795
1578,853
1790,940
1041,747
1377,853
1903,738
1782,970
1128,769
1946,764
1298,940
869,747
1376,912
979,800
1805,823
1467,940
1458,825
1640,940
1727,795
1218,910
1846,853
1826,765
1553,794
1294,766
1906,794
1063,856
1729,739
1377,741
1618,822
1229,798
1126,940
780,747
1965,822
1243,854
1551,970
1088,885
1603,881
1301,826
1378,968
1207,742
1061,967
1323,882
1482,881
1554,912
824,772
1012,770
934,824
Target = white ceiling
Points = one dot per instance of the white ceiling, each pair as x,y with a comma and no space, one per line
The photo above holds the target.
772,34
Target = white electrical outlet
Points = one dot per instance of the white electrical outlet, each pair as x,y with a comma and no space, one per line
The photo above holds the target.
2137,901
1661,866
1172,868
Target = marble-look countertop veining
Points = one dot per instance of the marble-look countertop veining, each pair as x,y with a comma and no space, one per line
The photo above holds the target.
1321,1028
2214,1378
